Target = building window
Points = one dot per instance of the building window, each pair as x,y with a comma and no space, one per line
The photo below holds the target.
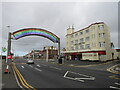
72,48
87,46
101,35
81,46
87,38
87,31
76,41
72,42
81,40
101,27
102,44
76,34
76,47
81,33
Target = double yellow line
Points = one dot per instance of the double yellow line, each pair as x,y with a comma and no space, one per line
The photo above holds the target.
22,80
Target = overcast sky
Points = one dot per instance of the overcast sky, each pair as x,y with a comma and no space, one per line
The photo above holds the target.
55,17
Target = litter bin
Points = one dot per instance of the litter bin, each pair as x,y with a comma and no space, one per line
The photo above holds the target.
60,60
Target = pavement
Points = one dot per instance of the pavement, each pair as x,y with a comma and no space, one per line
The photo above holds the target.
8,80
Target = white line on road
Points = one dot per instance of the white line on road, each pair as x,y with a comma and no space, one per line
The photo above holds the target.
38,65
38,69
86,77
117,83
66,73
115,87
22,66
55,68
31,66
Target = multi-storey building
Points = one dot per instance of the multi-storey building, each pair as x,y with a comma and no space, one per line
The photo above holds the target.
90,43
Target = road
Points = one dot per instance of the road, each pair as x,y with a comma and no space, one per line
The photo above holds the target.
48,75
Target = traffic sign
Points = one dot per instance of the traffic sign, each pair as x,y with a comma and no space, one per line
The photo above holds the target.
9,56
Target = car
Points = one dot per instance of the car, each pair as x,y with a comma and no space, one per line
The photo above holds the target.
29,61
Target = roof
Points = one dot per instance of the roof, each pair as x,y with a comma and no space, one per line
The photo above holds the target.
87,27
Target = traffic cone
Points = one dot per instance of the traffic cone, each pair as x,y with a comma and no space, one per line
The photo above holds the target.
6,70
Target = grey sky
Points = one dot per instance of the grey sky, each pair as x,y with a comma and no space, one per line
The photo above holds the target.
55,17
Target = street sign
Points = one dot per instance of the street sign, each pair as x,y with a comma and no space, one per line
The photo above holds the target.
4,49
9,56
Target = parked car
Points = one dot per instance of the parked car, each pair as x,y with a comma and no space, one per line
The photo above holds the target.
30,61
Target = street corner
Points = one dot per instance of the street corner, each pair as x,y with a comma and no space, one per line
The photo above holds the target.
114,69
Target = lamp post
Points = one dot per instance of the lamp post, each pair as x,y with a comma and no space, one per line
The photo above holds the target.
9,45
33,54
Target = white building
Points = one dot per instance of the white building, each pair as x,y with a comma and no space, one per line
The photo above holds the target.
90,43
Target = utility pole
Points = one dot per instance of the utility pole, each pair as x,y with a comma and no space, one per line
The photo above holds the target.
46,54
8,60
33,54
9,48
59,49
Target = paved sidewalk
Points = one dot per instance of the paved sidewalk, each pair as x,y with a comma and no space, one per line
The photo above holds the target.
8,80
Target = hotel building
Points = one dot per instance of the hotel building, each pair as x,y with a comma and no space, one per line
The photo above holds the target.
90,43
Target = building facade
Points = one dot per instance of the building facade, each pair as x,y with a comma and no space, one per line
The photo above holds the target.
49,53
90,43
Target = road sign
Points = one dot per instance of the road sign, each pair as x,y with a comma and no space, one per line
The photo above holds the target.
9,56
4,49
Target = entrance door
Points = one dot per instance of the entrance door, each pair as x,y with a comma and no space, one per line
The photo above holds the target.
112,55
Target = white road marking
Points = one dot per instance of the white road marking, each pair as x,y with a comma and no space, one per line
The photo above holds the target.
117,83
66,74
22,66
38,69
79,79
38,65
92,78
31,66
115,87
55,68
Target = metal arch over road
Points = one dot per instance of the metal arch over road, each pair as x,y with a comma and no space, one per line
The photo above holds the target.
29,32
36,31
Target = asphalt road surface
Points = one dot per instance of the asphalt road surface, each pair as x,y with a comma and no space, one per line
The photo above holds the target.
44,74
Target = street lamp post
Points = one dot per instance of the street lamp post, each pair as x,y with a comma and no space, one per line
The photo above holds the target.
33,54
8,46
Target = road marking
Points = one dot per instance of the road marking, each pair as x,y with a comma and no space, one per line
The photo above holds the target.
55,68
117,83
38,65
22,66
114,87
16,78
79,79
22,80
38,69
31,66
65,74
111,69
92,78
